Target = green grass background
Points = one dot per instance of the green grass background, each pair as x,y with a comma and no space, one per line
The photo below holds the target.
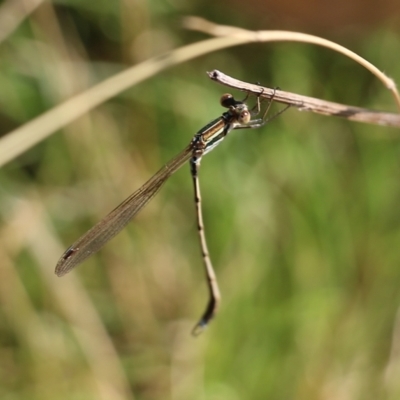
302,219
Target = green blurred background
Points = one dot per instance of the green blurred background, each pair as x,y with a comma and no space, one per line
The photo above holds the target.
302,217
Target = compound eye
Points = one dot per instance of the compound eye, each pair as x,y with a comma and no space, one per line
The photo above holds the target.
227,100
244,117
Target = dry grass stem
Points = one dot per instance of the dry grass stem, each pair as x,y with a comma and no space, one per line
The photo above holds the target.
305,103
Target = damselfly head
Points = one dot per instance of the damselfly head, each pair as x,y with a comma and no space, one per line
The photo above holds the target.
237,108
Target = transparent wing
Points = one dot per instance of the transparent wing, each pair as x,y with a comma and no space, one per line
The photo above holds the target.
116,220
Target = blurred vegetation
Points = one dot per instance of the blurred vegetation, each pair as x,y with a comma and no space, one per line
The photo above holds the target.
302,219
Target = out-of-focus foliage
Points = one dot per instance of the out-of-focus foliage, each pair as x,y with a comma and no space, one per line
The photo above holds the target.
301,217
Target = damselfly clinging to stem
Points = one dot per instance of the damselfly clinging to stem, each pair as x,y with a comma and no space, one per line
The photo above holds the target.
238,116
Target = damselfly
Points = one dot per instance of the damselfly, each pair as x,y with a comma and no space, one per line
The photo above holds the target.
238,116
